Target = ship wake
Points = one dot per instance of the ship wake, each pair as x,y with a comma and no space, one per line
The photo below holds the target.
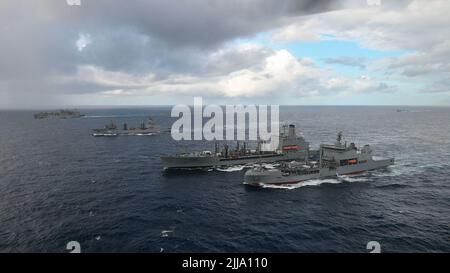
232,168
237,168
317,182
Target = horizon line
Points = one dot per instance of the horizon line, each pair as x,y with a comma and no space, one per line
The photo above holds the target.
171,105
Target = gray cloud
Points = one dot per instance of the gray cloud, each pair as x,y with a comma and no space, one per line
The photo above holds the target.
384,88
196,22
438,86
348,61
158,46
434,60
162,37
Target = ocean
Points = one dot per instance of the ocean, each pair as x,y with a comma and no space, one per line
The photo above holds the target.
58,184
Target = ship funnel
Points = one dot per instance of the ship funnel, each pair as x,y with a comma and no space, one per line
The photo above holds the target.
291,130
339,139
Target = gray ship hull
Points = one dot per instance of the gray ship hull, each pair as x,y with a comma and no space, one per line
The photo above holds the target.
257,177
125,133
111,130
192,162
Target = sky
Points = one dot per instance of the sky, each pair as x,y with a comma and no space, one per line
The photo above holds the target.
299,52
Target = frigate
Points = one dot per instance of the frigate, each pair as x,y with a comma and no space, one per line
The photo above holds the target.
290,147
111,129
334,160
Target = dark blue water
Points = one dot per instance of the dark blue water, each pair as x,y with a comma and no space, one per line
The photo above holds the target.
59,184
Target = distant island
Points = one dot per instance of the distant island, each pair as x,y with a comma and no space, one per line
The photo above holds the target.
62,114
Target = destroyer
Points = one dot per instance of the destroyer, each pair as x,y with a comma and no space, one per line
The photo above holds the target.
144,129
291,147
337,159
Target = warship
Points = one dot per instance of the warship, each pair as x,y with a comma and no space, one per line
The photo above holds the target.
111,129
291,147
61,114
334,160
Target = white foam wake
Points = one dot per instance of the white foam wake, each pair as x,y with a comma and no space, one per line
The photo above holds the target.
349,178
232,168
270,165
165,233
317,182
237,168
312,182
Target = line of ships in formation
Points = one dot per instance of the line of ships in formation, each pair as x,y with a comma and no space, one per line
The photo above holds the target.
297,162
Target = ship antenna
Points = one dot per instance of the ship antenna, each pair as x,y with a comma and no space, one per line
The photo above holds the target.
259,160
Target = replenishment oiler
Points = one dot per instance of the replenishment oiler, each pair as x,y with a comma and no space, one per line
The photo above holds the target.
111,129
291,147
334,160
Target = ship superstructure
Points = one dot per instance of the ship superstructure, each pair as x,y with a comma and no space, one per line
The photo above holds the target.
336,159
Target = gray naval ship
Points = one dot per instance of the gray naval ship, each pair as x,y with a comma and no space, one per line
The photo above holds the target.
111,129
291,147
337,159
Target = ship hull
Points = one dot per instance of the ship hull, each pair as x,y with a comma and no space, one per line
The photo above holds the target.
130,132
191,162
276,177
125,133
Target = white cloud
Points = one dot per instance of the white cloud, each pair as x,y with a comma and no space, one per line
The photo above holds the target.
298,32
278,73
154,48
420,28
417,26
83,41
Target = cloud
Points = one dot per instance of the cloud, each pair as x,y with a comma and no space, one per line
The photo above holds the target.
271,73
83,41
359,62
131,48
438,86
433,60
46,42
418,28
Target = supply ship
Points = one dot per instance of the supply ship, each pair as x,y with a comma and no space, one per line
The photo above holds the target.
334,160
291,147
111,129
